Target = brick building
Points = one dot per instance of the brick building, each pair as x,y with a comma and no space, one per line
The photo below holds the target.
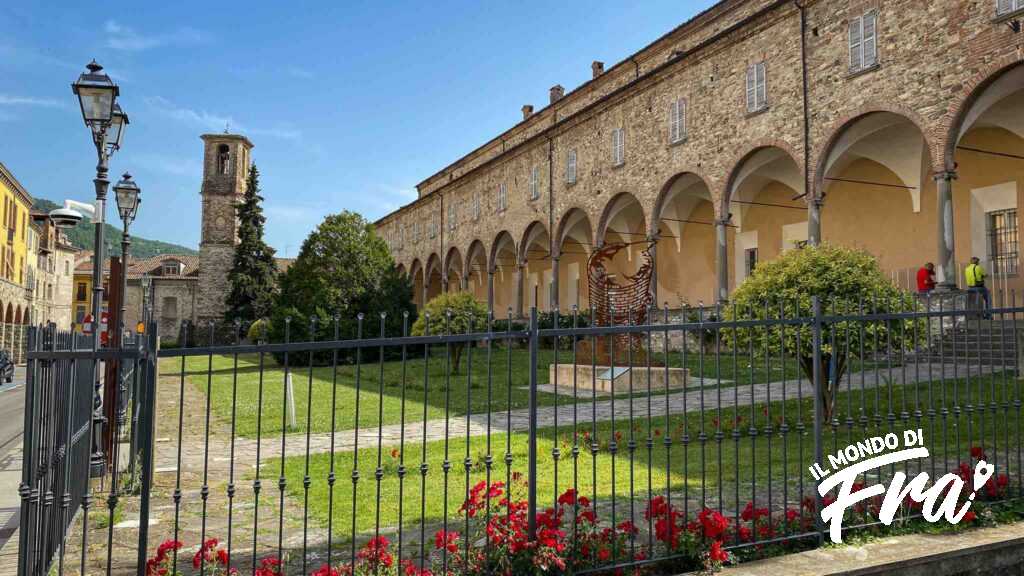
896,127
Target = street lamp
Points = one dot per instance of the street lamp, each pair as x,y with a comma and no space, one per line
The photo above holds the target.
127,194
97,97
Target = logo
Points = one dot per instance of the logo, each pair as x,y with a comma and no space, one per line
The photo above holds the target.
846,465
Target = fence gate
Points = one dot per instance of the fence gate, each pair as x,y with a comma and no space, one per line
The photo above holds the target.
63,429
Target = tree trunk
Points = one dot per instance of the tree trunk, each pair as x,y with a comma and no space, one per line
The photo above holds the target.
829,379
456,357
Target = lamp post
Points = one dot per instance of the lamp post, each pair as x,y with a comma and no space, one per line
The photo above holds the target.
97,97
146,281
126,192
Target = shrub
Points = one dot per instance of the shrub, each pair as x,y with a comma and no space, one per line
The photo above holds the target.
454,313
846,281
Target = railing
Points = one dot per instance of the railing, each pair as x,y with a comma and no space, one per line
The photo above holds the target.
303,451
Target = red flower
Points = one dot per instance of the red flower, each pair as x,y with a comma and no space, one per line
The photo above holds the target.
716,554
448,541
970,516
977,452
714,524
604,554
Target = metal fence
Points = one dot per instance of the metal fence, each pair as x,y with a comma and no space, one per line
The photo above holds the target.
614,437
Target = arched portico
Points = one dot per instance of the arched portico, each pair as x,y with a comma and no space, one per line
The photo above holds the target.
505,286
416,277
623,222
433,284
573,245
686,257
535,259
452,281
475,271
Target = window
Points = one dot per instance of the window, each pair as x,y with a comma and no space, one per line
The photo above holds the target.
618,146
476,206
169,309
535,183
80,292
452,217
1007,6
677,121
757,98
170,268
1002,241
863,41
223,157
570,167
750,260
502,197
433,226
79,314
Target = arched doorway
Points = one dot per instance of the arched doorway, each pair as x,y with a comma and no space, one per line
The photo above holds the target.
535,256
574,244
686,258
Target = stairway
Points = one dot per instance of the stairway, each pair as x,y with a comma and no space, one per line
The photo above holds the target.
985,343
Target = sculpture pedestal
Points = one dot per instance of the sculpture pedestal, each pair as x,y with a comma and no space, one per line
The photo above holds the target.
601,378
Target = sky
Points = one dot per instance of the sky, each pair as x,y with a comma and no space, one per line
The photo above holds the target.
349,104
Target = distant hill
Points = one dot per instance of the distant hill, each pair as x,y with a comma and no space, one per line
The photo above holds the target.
82,236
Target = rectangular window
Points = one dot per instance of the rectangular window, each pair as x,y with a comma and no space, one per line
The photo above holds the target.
502,197
535,183
1007,6
677,121
757,94
452,217
570,167
750,260
79,314
618,146
863,41
80,292
1002,241
476,207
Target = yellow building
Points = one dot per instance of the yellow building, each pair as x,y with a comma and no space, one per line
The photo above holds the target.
14,297
81,289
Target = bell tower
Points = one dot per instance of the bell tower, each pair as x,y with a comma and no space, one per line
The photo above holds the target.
225,168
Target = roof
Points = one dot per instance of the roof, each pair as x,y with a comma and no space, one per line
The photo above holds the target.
152,265
7,178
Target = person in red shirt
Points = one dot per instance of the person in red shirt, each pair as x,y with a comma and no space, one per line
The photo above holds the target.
926,278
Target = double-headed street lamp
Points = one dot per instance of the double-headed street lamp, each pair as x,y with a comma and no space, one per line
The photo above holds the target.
97,96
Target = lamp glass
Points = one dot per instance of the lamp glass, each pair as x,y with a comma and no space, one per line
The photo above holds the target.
127,194
115,134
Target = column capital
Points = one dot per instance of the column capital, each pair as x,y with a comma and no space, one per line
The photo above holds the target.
947,175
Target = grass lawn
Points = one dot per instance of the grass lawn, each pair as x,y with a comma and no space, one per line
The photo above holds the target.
721,465
260,393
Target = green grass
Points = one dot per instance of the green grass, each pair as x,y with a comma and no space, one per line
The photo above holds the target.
455,393
718,465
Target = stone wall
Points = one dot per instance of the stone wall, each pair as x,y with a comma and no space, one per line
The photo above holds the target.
175,300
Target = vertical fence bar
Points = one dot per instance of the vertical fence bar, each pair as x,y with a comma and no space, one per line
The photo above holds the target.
532,458
147,423
819,407
25,490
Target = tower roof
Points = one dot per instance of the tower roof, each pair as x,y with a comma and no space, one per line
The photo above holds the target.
227,137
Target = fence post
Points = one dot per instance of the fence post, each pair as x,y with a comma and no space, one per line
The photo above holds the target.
532,455
147,424
28,462
819,411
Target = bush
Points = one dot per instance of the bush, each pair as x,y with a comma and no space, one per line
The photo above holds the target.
258,330
846,281
455,313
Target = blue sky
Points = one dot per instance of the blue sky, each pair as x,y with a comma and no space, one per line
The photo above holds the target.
349,104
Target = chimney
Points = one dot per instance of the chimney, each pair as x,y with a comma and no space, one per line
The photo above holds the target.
527,111
556,93
597,67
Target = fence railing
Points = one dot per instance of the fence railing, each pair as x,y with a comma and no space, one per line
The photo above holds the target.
455,446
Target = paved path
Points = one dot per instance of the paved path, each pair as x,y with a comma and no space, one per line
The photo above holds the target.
547,417
12,410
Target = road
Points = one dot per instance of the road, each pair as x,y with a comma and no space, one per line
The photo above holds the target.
12,409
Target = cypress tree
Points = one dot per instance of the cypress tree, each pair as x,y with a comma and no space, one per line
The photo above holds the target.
253,275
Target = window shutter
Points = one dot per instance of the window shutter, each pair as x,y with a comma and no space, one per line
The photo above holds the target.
761,97
1004,6
751,88
869,41
673,121
570,167
856,52
682,118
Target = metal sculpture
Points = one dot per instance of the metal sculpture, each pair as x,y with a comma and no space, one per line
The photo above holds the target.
618,303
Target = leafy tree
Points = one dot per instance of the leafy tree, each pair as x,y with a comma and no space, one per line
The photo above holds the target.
454,313
254,272
846,281
343,269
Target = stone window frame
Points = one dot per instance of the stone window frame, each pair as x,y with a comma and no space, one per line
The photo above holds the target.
618,146
856,47
502,203
754,84
677,120
453,216
476,207
571,163
534,183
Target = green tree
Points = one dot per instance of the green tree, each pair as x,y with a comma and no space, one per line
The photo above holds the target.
846,281
455,313
254,272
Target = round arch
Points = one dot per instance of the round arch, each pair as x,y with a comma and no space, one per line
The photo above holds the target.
988,87
619,208
536,233
575,225
503,242
679,181
574,242
475,269
453,263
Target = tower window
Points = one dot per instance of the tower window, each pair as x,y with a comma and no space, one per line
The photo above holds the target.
223,159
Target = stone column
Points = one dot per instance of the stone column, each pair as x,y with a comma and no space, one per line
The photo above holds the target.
653,251
554,283
490,290
444,282
722,259
465,281
946,256
814,221
426,289
519,289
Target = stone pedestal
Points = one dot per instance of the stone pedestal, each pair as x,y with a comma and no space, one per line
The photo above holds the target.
601,379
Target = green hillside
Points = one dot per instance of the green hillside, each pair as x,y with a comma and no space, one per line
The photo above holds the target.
82,236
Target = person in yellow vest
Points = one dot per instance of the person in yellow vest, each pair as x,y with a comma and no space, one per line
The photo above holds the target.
974,275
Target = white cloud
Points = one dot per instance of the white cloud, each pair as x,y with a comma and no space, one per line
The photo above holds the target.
213,122
9,100
168,164
121,37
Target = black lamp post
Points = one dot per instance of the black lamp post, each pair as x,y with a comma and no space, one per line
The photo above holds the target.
97,97
127,194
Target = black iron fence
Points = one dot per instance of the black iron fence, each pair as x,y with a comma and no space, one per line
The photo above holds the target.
574,448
